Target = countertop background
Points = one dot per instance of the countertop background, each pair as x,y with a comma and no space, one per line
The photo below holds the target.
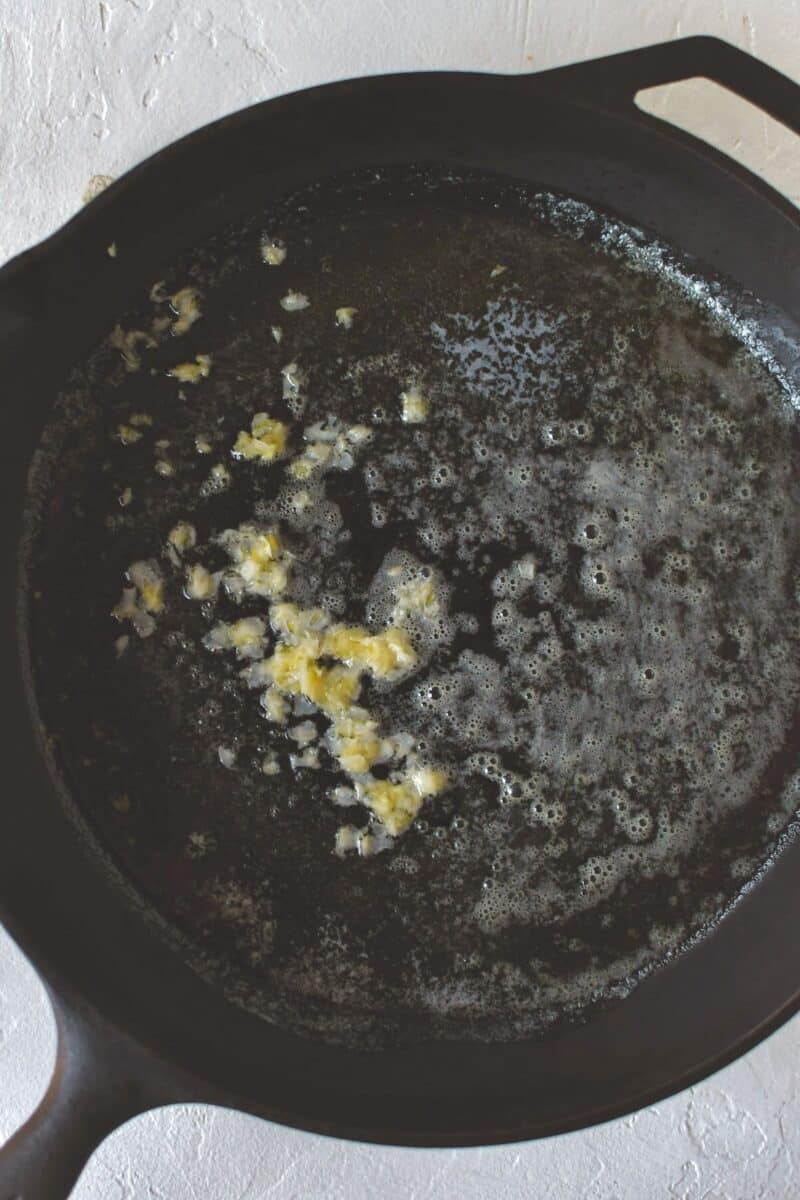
87,89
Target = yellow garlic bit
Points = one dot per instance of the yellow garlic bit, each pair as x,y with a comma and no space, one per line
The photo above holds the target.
293,622
275,706
128,435
356,742
153,596
265,442
182,536
415,406
417,597
316,454
344,316
200,583
273,252
384,654
396,804
126,342
188,372
261,563
187,311
295,670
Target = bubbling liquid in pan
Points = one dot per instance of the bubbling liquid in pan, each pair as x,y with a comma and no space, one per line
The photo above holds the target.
454,683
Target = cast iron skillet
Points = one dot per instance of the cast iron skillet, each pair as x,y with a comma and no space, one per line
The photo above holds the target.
137,1028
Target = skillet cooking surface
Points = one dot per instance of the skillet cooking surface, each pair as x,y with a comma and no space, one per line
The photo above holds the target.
604,491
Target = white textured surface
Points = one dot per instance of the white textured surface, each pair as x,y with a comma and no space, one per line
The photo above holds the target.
89,89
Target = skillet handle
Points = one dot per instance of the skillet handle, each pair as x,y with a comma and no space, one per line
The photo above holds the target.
102,1079
614,81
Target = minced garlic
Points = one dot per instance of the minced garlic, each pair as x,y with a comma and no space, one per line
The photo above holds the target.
275,706
273,252
265,442
294,301
128,435
188,372
200,583
396,804
182,536
141,602
184,304
218,479
246,637
315,455
344,317
261,562
415,406
126,342
318,662
417,597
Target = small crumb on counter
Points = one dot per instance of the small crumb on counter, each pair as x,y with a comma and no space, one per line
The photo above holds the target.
96,185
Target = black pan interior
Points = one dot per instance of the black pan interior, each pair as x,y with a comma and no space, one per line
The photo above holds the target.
619,728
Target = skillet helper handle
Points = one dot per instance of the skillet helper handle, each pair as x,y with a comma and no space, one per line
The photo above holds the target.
615,80
101,1080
